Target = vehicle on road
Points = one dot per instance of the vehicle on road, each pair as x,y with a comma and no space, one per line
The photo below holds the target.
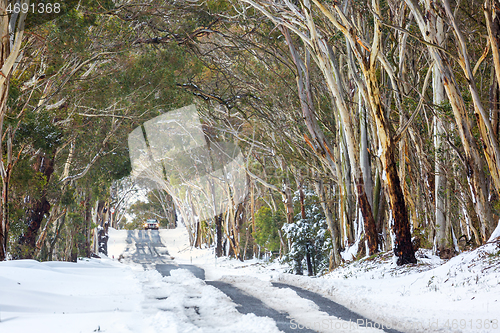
151,224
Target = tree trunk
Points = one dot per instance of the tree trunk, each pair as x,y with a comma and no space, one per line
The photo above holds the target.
310,271
364,156
439,132
252,205
489,141
39,208
218,228
88,223
4,228
402,246
332,226
474,163
321,146
4,91
288,201
9,51
304,219
197,237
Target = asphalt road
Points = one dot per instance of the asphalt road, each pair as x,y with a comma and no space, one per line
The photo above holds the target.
249,304
331,307
153,254
149,248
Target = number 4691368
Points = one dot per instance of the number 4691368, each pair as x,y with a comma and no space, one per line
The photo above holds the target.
40,8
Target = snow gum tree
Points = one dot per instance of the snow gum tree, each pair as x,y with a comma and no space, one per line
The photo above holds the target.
387,109
11,24
342,95
73,99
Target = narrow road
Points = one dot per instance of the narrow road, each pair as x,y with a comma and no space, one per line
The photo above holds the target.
329,306
151,253
250,304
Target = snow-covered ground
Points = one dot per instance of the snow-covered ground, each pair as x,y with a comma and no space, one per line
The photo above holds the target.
458,295
51,297
108,295
105,295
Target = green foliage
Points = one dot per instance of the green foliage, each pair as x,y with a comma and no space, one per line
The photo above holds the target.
68,32
112,166
163,222
75,219
217,5
14,91
309,234
76,229
38,130
136,224
46,11
267,224
22,175
422,234
446,109
140,82
68,196
16,218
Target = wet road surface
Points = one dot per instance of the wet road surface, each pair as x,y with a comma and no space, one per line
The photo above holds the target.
151,253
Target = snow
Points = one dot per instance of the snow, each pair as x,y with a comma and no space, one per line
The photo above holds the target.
111,295
495,234
458,295
426,297
106,295
184,303
349,254
68,297
302,311
190,304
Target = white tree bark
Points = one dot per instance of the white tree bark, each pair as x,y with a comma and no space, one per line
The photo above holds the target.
439,131
364,156
473,161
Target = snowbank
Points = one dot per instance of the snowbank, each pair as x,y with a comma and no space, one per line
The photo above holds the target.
68,297
461,295
106,295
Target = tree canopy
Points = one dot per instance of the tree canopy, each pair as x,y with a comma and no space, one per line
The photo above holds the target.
386,111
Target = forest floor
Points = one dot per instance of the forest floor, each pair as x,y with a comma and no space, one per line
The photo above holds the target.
113,294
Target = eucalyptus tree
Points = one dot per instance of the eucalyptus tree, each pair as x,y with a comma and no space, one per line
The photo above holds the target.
75,96
11,24
473,160
315,41
16,16
312,91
